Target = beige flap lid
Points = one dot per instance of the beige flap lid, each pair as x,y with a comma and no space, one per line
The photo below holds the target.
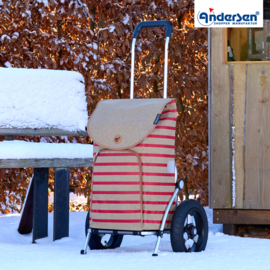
123,123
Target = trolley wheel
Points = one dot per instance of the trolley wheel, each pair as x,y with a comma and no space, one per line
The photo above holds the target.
102,241
189,228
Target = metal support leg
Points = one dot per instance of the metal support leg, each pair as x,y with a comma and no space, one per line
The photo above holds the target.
164,221
61,203
40,204
84,250
26,221
157,246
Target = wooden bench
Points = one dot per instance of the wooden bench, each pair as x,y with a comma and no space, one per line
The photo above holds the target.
43,103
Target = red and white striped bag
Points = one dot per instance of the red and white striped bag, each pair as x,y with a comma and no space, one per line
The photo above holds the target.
134,141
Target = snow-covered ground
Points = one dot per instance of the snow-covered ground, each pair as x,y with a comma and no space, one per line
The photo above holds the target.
222,252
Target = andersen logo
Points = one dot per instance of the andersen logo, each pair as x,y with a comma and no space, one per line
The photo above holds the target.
207,19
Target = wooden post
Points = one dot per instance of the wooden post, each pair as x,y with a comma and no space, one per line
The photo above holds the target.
61,203
220,126
40,205
229,229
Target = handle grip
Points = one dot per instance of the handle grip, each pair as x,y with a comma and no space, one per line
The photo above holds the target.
148,24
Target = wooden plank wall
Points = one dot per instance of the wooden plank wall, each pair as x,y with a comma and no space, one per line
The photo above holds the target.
240,99
257,160
221,149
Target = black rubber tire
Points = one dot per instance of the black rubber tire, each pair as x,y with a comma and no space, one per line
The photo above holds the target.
178,222
95,240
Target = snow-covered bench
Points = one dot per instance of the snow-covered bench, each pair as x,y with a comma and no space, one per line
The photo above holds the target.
43,103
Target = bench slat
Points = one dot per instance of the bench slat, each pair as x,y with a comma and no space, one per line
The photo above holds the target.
40,132
46,163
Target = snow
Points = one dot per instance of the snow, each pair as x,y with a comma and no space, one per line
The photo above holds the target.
222,252
193,159
4,36
28,12
15,35
111,28
78,58
170,3
26,150
233,168
8,64
93,45
233,151
42,98
45,2
126,19
153,5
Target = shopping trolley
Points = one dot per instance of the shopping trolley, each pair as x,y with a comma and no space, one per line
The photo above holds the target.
135,183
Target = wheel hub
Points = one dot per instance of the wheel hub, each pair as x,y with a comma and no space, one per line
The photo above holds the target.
192,231
191,234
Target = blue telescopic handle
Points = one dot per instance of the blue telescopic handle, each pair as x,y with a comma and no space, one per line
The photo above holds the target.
148,24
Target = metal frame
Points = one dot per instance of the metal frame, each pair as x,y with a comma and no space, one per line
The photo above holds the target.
140,233
165,68
161,230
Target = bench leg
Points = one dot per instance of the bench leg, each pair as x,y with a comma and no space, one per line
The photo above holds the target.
26,221
40,203
61,203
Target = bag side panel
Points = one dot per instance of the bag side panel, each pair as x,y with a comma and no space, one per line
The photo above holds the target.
158,184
